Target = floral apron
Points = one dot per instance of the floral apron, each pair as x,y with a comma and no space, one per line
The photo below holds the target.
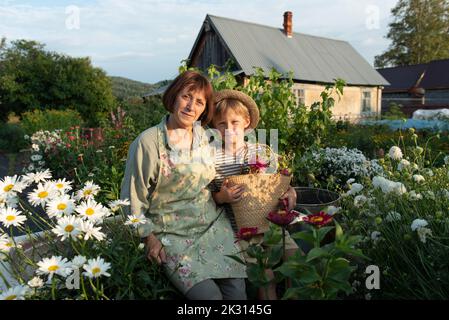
195,234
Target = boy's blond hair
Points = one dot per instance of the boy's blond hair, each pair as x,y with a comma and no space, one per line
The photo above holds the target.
233,104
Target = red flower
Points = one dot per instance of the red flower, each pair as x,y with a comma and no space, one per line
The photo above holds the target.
259,166
318,219
246,233
282,217
285,172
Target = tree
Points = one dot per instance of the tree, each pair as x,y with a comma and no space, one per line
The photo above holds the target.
33,78
419,33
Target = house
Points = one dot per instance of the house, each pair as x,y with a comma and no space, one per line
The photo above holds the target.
314,61
420,86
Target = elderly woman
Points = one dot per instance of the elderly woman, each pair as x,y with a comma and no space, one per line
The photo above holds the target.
168,169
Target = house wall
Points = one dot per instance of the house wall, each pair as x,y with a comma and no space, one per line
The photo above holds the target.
349,107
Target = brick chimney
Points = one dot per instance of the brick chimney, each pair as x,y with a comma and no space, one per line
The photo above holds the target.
288,25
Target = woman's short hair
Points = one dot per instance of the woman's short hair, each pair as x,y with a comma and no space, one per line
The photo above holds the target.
194,81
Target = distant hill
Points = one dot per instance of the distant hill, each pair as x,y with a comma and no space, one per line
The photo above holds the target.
124,88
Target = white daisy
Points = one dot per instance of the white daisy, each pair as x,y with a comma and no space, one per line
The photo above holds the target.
40,176
91,210
117,204
89,190
60,206
6,243
63,186
11,217
67,227
16,293
36,282
136,220
8,200
11,185
42,195
90,231
96,268
78,261
54,265
418,223
395,153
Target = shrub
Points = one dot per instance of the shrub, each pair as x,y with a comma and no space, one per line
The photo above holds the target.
11,137
36,120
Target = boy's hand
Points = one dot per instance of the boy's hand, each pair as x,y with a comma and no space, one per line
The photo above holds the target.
229,194
290,194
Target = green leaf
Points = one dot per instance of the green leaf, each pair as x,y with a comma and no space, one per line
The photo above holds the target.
309,275
274,256
322,232
236,258
316,253
255,251
307,236
338,230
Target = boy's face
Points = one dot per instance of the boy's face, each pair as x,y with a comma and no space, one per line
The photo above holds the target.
231,126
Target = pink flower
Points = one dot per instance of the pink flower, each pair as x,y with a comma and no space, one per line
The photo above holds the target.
282,217
318,219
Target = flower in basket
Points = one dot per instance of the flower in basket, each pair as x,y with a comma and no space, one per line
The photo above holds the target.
260,166
318,219
246,233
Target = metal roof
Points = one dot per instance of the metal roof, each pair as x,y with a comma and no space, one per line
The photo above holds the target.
310,58
435,76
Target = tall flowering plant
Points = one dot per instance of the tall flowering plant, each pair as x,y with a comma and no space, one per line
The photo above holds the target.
71,246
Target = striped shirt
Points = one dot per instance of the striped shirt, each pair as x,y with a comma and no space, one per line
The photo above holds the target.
227,165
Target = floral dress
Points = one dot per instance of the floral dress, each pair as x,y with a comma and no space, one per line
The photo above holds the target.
195,234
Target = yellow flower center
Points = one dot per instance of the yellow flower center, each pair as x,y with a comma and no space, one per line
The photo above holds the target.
135,220
60,185
8,244
90,211
317,219
87,192
11,297
62,206
8,187
10,218
42,194
53,268
96,270
69,228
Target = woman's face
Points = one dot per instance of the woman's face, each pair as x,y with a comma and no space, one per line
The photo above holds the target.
189,105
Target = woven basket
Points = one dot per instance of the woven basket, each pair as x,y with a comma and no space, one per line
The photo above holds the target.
261,196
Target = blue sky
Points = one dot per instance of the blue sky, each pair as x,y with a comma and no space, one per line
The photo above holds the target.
146,40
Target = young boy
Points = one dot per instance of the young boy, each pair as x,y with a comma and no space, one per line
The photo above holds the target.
236,112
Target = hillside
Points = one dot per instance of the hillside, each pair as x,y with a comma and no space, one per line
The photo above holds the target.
124,88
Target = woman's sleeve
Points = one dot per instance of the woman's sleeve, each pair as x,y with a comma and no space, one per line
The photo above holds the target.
140,180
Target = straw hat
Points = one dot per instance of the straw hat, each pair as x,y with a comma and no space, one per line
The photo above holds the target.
246,100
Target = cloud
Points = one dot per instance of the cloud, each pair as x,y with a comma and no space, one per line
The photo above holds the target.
146,39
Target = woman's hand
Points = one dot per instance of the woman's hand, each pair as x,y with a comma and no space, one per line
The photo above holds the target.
229,194
290,194
155,250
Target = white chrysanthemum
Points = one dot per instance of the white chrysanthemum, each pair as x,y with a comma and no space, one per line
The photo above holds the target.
419,223
41,176
16,293
331,210
375,236
96,268
67,227
8,200
11,217
54,265
78,261
89,191
418,178
415,196
393,216
117,204
91,210
355,188
36,282
10,186
42,195
63,186
388,186
90,231
360,200
136,220
403,164
350,181
423,233
395,153
60,206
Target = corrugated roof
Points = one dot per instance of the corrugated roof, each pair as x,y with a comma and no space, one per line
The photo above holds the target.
402,78
310,58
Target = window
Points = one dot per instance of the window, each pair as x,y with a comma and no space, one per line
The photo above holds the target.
300,96
366,101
